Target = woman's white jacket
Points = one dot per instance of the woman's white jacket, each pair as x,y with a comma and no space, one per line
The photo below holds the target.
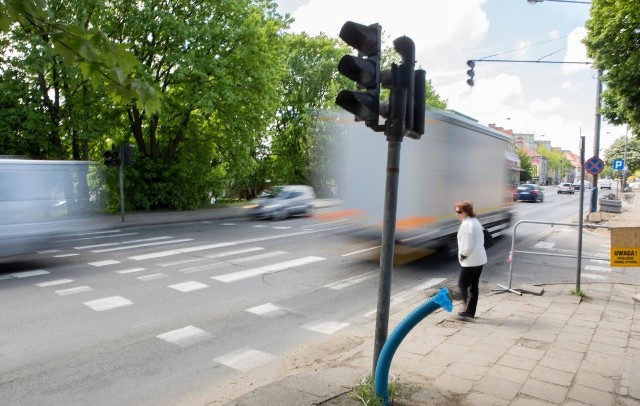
471,243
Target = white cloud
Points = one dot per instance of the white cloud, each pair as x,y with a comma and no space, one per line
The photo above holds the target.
522,49
543,106
576,51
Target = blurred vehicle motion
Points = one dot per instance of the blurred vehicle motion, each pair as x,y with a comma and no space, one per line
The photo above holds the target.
586,183
529,193
456,159
566,187
605,183
40,200
283,201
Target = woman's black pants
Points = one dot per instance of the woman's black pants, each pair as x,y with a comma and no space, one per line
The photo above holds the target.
468,284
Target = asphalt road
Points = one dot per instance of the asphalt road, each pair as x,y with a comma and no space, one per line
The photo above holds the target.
172,314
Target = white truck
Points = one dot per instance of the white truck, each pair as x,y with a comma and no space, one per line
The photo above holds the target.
456,159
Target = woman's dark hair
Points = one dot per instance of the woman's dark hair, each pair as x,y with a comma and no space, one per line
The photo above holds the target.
467,207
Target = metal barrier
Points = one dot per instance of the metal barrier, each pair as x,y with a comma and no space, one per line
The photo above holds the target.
514,251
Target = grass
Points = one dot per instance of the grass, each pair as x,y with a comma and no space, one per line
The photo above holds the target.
578,292
365,392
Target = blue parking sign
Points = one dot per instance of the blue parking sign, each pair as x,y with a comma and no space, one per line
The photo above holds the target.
618,164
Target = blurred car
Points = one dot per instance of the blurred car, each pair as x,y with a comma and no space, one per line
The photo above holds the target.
566,187
284,201
529,192
586,183
604,184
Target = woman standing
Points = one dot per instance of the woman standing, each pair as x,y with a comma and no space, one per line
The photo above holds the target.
471,255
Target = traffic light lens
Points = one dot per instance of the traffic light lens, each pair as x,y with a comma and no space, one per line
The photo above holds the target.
362,71
361,37
360,104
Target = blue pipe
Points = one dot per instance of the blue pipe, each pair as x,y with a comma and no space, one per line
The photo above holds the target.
381,379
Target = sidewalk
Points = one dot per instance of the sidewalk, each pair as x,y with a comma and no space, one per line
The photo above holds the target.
548,349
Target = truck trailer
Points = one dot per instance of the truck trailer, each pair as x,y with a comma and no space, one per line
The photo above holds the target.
456,159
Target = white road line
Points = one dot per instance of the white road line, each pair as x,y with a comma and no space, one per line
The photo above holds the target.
72,291
597,268
66,255
47,251
406,294
344,283
195,269
256,257
152,277
259,226
325,327
181,251
282,228
150,244
28,274
131,270
104,263
267,309
188,286
98,237
228,224
108,303
111,244
360,251
54,283
184,336
600,261
592,276
545,245
234,252
245,359
236,276
186,261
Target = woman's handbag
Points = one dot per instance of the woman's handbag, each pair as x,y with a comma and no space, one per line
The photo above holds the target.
488,239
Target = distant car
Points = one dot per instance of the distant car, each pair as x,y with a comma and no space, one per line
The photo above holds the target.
283,202
604,184
566,187
586,183
529,192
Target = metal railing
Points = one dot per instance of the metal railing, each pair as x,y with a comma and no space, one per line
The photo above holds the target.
513,251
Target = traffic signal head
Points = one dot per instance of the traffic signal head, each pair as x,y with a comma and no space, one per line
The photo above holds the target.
471,73
112,158
364,70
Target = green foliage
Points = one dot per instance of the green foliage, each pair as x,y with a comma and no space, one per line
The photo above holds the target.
525,165
578,292
365,392
558,163
617,151
612,41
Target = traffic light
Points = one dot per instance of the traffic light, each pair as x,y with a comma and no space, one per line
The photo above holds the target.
471,73
129,153
363,69
419,96
112,158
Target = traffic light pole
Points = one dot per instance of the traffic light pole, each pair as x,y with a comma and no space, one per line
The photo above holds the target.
395,133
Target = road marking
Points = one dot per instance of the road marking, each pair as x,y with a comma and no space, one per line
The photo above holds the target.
600,261
152,276
151,244
266,310
104,263
325,327
592,276
228,224
236,276
188,286
108,303
186,261
132,270
545,245
360,251
344,283
259,226
181,251
404,295
235,252
245,359
282,228
28,274
256,257
54,283
72,291
65,255
184,336
97,237
597,268
111,244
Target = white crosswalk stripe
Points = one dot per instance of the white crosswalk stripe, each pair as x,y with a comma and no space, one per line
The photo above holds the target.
245,359
236,276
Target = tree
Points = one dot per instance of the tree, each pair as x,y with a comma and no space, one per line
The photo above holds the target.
616,151
612,42
559,165
525,165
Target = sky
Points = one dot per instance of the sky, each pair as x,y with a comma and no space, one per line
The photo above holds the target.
555,102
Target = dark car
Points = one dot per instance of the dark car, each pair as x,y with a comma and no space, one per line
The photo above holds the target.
529,193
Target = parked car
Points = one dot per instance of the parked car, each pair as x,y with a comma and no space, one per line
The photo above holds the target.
604,184
586,183
529,192
566,187
283,202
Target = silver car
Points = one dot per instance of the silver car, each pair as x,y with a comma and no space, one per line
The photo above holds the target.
285,201
566,187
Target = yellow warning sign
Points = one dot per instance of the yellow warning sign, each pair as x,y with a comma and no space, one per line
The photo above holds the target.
625,247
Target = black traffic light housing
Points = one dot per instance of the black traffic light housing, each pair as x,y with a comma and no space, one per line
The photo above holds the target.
363,69
471,73
112,157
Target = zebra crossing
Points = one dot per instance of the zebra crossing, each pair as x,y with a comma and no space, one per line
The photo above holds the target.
598,265
166,260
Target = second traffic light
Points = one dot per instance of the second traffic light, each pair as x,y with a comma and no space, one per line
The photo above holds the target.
471,73
112,157
363,69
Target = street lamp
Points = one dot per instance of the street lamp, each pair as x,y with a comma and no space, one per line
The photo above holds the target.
558,1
